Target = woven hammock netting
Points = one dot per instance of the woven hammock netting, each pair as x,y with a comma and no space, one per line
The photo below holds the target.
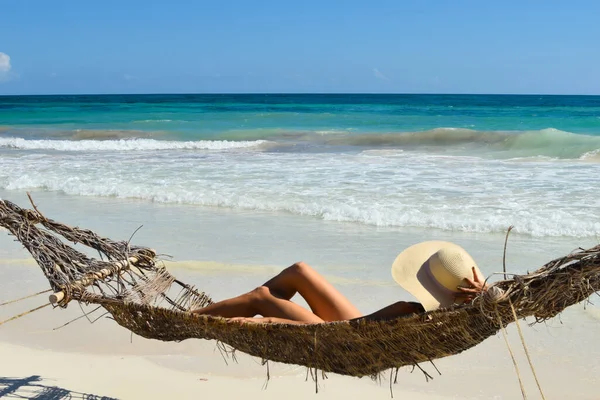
132,284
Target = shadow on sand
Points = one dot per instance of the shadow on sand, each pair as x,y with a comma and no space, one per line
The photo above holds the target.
32,388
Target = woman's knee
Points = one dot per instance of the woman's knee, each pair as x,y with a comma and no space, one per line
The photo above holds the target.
260,293
258,298
301,268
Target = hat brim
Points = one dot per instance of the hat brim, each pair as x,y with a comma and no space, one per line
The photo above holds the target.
411,271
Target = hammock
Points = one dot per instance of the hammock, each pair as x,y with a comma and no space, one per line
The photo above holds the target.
132,284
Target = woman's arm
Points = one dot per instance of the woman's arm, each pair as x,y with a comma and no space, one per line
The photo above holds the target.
395,310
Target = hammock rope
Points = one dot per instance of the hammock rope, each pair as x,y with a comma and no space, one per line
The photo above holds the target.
24,298
133,285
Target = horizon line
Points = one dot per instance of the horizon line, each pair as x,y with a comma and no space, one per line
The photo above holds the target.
298,93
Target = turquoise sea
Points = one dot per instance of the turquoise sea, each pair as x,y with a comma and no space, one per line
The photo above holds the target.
466,163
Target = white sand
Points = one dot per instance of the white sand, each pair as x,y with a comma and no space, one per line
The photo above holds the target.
133,377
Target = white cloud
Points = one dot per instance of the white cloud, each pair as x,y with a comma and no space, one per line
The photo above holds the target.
4,62
4,66
379,75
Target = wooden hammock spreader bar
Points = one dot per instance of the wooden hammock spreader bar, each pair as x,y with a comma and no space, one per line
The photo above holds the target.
91,277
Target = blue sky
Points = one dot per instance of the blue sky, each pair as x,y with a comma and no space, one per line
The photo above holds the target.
197,46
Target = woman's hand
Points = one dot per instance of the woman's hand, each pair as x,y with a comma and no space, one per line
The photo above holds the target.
476,286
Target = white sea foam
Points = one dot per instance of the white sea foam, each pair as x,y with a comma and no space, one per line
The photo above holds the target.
593,156
333,132
403,189
154,120
125,144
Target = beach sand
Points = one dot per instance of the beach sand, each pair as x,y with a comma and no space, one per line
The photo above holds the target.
225,253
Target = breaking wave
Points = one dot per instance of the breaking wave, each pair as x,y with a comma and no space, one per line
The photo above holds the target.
125,144
546,142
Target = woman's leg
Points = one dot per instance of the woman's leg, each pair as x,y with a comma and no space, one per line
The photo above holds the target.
324,299
259,301
272,299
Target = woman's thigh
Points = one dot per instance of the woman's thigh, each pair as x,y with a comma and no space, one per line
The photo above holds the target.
269,305
324,299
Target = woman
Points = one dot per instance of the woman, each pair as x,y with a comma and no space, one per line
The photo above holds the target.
437,273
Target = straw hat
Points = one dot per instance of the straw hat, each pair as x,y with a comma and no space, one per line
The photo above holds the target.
432,271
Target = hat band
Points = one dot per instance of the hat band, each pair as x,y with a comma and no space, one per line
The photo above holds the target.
442,288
